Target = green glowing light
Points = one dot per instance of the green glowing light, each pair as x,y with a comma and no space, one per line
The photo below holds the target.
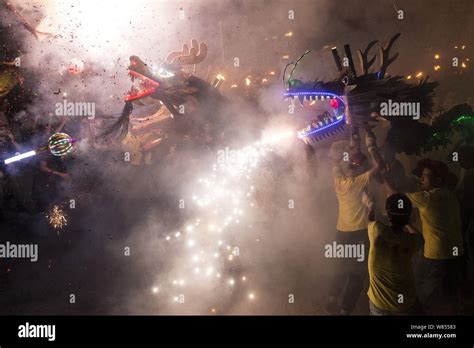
464,118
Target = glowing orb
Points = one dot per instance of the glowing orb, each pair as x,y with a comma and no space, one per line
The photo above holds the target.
59,144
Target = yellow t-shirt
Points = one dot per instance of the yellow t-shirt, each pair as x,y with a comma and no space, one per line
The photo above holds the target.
392,282
440,223
352,213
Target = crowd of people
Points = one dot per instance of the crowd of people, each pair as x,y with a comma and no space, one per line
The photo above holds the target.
378,211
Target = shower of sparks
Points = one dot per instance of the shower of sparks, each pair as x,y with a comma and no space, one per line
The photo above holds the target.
87,22
209,264
57,218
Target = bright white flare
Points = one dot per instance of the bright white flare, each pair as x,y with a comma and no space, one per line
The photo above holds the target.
20,157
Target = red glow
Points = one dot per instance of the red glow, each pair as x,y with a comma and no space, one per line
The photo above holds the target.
149,85
74,70
334,103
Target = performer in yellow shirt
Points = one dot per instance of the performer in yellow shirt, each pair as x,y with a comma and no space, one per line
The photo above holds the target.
351,180
441,230
392,281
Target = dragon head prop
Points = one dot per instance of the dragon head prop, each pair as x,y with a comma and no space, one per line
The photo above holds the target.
170,83
175,87
356,96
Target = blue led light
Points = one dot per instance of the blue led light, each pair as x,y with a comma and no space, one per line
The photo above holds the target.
340,118
324,94
320,129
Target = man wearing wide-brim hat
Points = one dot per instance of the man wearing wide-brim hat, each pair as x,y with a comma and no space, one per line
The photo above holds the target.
441,229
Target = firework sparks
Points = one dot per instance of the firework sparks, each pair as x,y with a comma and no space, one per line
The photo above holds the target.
210,240
57,218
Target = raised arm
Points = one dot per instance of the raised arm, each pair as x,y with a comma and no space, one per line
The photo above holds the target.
369,203
389,184
379,165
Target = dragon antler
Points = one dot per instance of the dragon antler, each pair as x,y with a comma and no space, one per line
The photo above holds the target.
187,56
384,55
365,63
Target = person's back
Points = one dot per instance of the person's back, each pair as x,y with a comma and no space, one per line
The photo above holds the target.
351,180
352,214
392,283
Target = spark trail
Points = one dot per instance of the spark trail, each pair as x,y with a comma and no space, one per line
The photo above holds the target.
208,251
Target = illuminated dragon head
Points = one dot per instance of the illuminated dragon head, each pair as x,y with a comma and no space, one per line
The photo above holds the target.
356,99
